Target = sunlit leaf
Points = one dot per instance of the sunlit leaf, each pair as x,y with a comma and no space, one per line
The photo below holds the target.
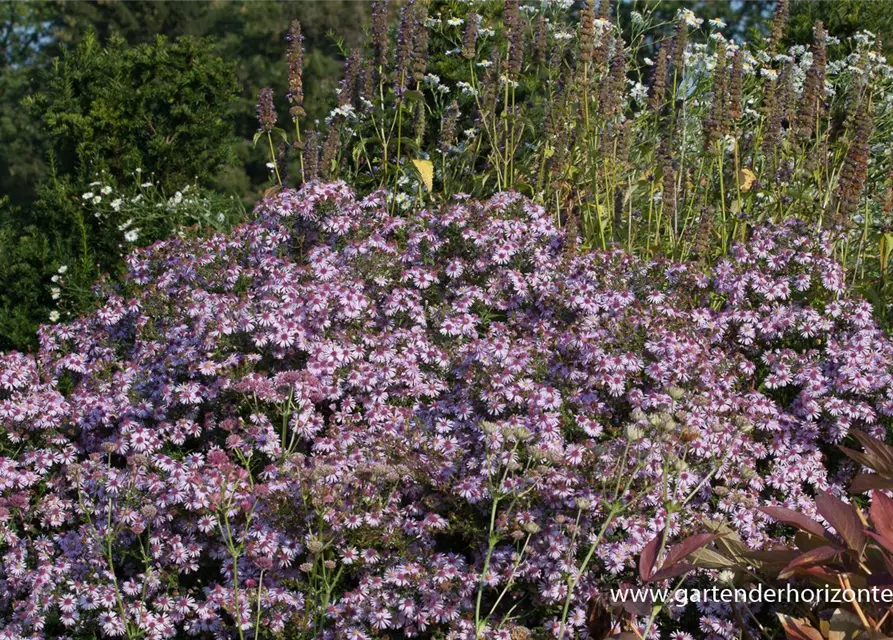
426,171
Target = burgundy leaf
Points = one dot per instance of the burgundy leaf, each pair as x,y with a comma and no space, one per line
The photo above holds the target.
869,482
773,557
862,458
795,519
879,454
882,514
649,557
598,619
886,543
687,547
815,556
819,574
843,517
672,571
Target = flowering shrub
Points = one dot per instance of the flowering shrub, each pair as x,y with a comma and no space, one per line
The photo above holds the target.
334,422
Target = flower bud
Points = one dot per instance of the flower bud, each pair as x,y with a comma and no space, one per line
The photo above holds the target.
633,433
315,546
531,527
520,633
149,511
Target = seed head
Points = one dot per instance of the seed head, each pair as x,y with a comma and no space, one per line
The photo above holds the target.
149,512
613,87
514,33
659,80
704,237
541,42
330,149
311,156
405,47
448,127
520,633
855,167
812,103
531,527
296,69
315,546
420,42
779,22
587,31
266,111
680,42
380,41
419,121
736,86
715,125
470,37
349,90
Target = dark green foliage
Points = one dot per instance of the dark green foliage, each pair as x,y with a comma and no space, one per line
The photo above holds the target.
163,107
248,33
24,265
25,145
105,112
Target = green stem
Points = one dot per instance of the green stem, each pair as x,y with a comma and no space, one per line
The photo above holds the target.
273,158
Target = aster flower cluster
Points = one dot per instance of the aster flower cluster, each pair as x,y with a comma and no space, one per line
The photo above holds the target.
335,422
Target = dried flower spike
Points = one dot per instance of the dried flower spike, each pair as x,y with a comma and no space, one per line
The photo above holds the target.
779,22
470,37
295,70
266,111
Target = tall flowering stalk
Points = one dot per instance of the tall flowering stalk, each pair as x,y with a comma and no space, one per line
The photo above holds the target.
266,117
295,40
